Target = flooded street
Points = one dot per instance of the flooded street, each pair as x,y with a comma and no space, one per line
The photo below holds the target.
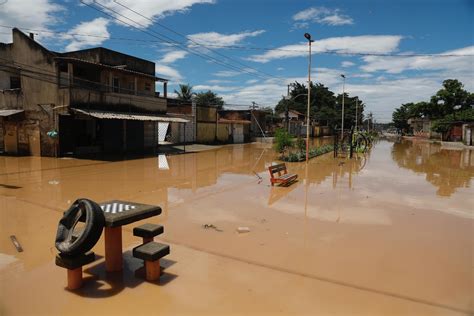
390,232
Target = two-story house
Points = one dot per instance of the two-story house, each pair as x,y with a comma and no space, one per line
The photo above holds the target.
89,101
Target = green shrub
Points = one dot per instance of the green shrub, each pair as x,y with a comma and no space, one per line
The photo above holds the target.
313,152
283,140
301,144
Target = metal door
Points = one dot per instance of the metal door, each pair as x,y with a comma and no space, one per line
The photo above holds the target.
238,133
11,138
34,142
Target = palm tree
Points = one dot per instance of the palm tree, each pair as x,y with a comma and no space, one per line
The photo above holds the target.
185,92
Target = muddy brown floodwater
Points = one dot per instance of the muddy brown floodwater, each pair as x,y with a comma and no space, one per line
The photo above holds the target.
390,232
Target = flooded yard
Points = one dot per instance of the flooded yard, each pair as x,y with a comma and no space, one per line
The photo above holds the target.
389,232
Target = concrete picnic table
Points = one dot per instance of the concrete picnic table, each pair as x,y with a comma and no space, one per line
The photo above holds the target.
118,213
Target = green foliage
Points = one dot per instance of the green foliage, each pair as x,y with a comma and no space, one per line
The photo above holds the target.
283,140
209,98
300,144
441,107
313,152
185,93
295,157
400,117
443,125
325,106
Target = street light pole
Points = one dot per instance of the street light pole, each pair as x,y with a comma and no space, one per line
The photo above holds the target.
342,115
308,37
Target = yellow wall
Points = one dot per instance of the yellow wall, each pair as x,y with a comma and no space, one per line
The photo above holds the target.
223,132
206,132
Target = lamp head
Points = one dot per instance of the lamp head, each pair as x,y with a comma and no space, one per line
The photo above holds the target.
308,36
343,76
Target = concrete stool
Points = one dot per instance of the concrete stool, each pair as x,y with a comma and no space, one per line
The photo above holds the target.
148,231
74,264
151,253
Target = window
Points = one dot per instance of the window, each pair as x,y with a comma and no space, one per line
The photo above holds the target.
15,83
115,84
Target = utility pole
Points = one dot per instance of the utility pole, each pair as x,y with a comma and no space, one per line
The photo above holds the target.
252,118
369,118
342,115
308,37
357,118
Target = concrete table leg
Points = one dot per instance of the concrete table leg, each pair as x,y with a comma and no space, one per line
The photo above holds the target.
152,270
113,249
74,278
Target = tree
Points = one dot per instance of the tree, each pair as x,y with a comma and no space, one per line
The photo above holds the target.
452,94
209,98
441,108
400,117
185,92
324,108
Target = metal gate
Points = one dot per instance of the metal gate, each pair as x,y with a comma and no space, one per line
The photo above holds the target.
238,133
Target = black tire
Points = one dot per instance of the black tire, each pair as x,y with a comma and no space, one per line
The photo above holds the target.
71,245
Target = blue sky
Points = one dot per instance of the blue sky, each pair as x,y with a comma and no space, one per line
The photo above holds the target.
268,48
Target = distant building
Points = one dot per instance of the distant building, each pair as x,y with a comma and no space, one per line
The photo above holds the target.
89,101
420,126
294,121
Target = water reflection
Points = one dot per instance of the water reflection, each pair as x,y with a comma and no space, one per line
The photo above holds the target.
446,169
339,171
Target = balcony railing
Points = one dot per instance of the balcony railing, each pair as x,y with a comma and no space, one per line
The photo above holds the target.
87,92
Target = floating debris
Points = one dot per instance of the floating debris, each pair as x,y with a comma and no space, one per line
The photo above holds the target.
53,182
16,243
211,226
243,229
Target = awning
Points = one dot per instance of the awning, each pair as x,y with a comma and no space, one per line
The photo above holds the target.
130,116
10,112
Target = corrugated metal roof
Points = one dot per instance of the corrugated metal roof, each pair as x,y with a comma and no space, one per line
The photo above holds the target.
111,67
130,116
10,112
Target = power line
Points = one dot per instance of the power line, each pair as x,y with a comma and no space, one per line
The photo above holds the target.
39,74
182,35
237,47
167,39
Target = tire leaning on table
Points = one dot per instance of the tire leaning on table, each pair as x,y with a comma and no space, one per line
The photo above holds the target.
94,223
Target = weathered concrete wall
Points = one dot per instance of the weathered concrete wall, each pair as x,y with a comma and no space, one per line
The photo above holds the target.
181,132
114,58
38,95
223,132
83,97
206,114
206,132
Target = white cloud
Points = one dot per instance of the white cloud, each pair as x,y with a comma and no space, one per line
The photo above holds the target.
399,64
218,39
28,14
251,81
217,81
383,96
347,64
321,15
213,88
172,56
227,73
168,72
96,30
380,95
163,67
346,44
150,9
280,68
